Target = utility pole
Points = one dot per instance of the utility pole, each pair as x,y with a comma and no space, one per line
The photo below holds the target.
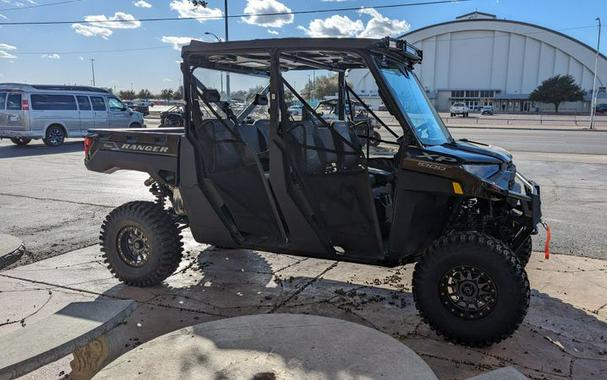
594,91
93,70
220,73
225,16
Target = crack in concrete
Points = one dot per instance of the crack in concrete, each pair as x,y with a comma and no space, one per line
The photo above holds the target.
22,320
149,302
55,200
302,288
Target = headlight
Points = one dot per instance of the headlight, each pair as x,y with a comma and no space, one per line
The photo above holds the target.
482,171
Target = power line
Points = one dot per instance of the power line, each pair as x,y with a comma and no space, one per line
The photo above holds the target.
156,19
40,5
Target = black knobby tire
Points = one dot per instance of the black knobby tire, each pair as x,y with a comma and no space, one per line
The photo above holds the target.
20,141
135,125
162,243
55,136
506,306
524,252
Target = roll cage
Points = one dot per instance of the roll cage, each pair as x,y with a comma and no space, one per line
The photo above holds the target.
271,58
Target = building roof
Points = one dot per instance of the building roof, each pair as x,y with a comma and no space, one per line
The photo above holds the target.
476,15
462,20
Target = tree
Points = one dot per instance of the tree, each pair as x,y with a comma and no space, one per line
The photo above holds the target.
325,85
126,95
144,94
178,94
558,89
166,94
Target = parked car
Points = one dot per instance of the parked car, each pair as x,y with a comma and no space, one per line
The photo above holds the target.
52,113
173,117
139,107
459,108
295,110
601,108
487,110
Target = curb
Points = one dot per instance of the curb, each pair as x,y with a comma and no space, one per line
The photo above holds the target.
11,250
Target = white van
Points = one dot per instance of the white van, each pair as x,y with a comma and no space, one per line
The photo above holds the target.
52,113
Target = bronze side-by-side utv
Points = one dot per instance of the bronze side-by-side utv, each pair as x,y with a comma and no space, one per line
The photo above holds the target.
309,187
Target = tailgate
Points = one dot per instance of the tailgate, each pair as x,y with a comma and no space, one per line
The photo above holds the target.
154,152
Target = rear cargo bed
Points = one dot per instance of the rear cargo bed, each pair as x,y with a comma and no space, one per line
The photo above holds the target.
153,151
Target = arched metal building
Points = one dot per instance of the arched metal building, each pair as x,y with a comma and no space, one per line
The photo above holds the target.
482,60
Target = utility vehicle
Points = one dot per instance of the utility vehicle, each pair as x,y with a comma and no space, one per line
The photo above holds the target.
458,209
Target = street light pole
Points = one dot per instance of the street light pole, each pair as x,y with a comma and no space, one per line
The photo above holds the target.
225,15
93,70
594,92
220,73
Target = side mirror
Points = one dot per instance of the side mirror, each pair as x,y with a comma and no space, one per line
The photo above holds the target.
260,100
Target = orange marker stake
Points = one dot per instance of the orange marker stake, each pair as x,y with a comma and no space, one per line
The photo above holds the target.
547,244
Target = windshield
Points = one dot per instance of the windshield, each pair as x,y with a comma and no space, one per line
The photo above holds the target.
414,104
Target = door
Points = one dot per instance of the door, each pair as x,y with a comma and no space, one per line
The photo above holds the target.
120,115
14,115
327,179
87,115
100,113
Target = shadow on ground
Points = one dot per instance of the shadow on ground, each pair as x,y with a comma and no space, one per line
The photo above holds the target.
37,148
556,341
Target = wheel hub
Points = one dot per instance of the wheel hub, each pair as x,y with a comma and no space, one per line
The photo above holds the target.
468,292
133,246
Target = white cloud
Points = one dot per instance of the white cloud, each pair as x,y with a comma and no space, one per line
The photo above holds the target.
101,25
334,26
186,9
167,80
4,51
81,58
272,31
380,26
51,56
3,16
177,41
342,26
267,6
142,4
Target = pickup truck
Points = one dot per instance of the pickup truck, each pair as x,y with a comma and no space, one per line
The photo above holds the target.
459,109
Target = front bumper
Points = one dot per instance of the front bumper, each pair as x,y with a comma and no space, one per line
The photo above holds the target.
526,193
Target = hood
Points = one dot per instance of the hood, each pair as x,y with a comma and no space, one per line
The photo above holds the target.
473,152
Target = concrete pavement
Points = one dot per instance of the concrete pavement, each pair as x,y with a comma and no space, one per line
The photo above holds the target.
564,335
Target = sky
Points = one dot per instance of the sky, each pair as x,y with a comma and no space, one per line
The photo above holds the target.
149,52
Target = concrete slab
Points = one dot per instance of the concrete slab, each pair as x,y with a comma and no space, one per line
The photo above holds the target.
60,334
11,249
565,331
506,373
277,346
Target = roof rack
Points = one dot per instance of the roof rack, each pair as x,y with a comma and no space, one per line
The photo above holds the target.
49,87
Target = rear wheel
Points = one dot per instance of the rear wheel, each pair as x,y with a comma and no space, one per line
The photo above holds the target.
141,244
55,135
21,141
135,125
471,288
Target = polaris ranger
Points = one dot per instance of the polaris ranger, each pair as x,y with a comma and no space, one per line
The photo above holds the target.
459,209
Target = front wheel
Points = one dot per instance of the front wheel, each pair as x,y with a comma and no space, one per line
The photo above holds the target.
55,135
141,244
21,141
471,288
